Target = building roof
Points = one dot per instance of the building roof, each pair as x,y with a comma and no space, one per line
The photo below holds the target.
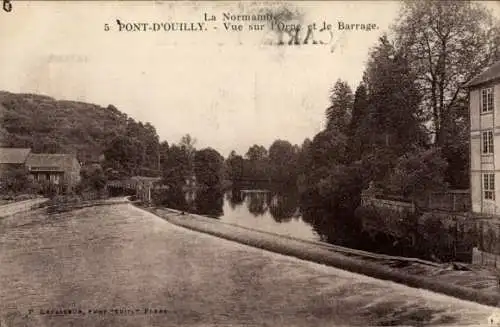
49,160
490,74
13,155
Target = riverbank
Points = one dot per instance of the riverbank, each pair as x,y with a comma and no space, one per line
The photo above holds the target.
466,282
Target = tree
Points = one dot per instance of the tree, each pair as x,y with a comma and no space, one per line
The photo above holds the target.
393,118
235,164
418,172
146,139
446,44
338,115
376,165
357,134
208,168
124,155
151,143
340,188
209,202
455,150
256,153
187,144
283,161
303,158
256,167
175,168
163,152
16,180
327,149
93,179
391,125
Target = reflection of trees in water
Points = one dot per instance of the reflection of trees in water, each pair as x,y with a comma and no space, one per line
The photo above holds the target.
334,228
170,198
283,206
235,197
342,227
209,202
430,240
256,203
190,197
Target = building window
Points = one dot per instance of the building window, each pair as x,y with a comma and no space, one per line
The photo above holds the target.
487,102
489,186
487,142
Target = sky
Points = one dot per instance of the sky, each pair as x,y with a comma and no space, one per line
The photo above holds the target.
228,89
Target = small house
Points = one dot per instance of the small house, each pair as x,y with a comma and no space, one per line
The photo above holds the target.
58,169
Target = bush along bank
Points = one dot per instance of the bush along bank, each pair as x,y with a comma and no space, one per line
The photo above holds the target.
304,250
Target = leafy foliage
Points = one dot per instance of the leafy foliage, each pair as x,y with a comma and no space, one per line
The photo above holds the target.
87,130
338,115
16,180
235,166
175,169
418,172
393,100
208,168
93,179
283,161
358,133
47,125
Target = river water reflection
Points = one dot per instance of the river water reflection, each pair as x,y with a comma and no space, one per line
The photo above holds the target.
269,211
283,213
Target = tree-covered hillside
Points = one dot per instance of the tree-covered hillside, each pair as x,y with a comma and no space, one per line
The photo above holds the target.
87,130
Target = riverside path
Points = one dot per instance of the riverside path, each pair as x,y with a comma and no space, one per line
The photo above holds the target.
117,265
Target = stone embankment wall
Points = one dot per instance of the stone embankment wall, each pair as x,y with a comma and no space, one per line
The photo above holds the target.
464,234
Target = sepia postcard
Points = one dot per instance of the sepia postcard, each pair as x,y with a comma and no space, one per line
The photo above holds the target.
249,163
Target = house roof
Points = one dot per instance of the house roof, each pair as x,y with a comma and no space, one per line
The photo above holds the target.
49,160
490,74
13,155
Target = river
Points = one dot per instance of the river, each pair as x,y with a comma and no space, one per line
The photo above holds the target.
282,212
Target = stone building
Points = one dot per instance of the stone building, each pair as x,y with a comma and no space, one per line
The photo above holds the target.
484,107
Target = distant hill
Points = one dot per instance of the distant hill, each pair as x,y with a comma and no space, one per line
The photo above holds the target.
48,125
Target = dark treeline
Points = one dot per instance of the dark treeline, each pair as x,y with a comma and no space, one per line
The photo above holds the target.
279,164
